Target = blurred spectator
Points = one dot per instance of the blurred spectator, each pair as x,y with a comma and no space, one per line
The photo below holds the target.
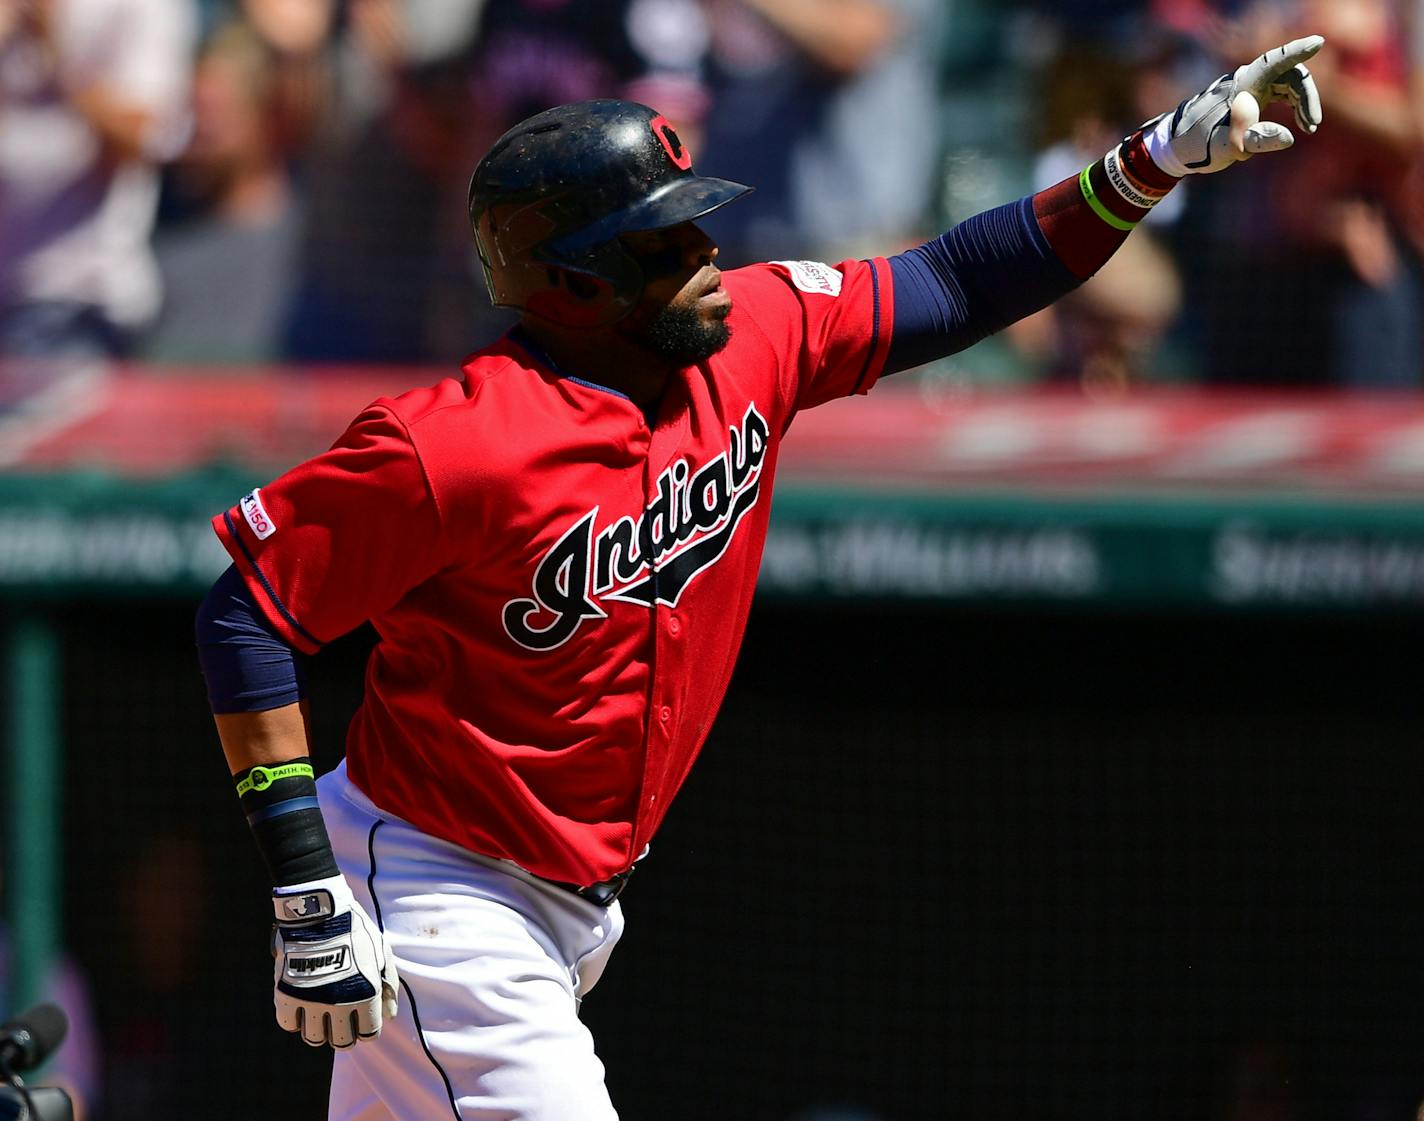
1354,201
92,96
1343,220
297,33
535,54
1094,92
827,107
385,257
1223,28
75,1066
228,270
1109,333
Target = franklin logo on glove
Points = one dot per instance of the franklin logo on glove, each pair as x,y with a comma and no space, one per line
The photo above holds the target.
318,965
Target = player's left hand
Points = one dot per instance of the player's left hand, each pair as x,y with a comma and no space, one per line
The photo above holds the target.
1222,124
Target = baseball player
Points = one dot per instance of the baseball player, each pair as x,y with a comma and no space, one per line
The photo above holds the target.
558,550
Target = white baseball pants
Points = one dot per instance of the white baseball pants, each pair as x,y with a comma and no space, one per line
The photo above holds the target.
493,963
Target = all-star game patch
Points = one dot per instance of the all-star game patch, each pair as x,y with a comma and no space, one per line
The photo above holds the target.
814,277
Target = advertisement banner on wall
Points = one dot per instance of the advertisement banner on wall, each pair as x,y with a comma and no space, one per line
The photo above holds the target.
1167,497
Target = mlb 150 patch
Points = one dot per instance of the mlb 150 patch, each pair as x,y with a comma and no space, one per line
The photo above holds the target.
257,517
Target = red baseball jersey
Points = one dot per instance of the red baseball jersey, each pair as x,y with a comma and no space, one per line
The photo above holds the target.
560,587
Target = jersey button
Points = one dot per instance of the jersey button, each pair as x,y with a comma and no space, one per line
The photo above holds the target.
665,714
674,627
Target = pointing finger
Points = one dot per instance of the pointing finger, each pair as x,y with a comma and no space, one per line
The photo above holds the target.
1257,75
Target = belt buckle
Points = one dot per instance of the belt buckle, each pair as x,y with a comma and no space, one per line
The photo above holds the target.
606,891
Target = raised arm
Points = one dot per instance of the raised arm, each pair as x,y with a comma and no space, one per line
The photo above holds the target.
1010,262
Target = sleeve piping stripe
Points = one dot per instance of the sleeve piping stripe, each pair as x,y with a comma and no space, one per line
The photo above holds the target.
874,327
266,587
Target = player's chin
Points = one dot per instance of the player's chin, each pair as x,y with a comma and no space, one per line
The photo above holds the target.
687,335
712,339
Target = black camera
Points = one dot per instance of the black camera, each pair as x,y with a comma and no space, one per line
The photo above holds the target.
26,1042
42,1103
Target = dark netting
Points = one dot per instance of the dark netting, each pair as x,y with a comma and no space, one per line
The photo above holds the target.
933,863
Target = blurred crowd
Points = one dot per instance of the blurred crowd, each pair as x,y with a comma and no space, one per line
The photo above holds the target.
246,181
1304,271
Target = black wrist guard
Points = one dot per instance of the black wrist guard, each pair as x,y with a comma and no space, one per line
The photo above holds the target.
282,810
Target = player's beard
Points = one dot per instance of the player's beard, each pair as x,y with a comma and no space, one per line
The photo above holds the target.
679,335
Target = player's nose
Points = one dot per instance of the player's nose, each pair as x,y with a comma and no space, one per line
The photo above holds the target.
702,250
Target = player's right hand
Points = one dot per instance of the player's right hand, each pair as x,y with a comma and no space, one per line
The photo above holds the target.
1222,124
335,975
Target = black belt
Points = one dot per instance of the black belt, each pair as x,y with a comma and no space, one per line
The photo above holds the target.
601,894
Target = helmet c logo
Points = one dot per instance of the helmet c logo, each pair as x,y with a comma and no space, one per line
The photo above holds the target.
671,142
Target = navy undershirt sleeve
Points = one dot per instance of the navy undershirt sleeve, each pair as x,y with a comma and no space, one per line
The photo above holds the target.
987,272
247,666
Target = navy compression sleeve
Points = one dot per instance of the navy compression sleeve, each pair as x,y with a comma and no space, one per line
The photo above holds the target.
1006,263
984,274
247,667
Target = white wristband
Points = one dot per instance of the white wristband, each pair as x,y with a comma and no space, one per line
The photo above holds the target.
1118,179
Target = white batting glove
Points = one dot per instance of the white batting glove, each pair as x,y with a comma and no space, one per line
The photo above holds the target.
335,975
1222,124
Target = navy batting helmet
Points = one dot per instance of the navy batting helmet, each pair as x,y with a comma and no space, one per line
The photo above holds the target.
550,199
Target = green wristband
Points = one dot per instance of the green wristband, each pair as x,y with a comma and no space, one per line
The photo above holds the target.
260,778
1085,181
